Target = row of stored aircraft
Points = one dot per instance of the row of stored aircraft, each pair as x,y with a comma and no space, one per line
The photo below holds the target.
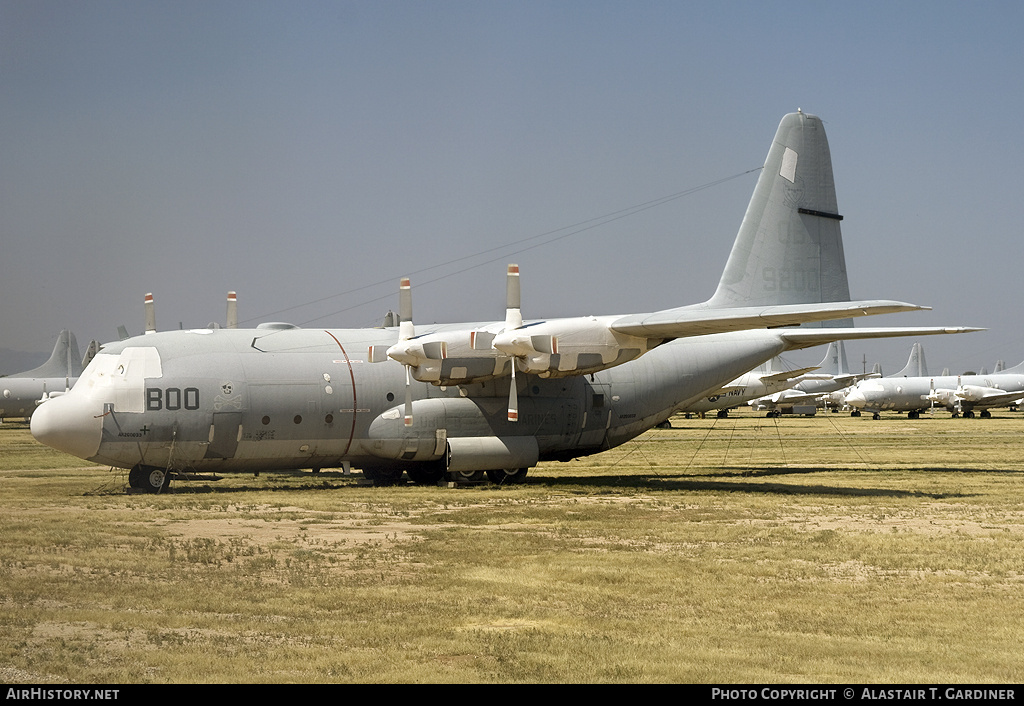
773,388
831,385
913,391
465,400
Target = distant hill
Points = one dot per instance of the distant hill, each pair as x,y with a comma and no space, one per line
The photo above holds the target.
12,362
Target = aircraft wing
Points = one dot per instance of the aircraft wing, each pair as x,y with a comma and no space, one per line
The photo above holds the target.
988,397
701,319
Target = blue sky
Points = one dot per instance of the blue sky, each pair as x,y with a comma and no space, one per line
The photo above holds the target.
308,154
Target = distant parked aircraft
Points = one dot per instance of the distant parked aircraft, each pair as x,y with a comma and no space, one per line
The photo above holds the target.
21,393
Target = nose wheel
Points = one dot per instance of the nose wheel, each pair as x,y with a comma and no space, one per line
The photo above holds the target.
149,479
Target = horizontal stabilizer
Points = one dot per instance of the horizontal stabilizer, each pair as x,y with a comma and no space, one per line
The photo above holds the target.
787,374
700,320
808,338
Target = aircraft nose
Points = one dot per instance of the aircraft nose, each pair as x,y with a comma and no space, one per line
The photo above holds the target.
855,398
69,423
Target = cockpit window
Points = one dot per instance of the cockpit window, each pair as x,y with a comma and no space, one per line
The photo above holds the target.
120,378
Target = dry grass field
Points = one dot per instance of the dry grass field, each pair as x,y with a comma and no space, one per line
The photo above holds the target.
740,550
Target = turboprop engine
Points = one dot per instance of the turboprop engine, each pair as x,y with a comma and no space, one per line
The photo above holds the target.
549,349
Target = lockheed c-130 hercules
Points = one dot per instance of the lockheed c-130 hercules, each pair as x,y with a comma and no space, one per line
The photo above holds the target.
468,399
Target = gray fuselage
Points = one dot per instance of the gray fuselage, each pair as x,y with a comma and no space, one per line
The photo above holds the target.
250,400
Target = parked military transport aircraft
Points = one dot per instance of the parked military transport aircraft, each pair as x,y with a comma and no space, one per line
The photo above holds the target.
21,393
492,397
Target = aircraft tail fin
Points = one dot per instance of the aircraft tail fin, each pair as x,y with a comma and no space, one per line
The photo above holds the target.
1017,369
789,249
64,362
916,366
834,362
90,352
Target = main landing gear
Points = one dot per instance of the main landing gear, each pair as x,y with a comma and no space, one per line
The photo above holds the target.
149,479
507,476
431,474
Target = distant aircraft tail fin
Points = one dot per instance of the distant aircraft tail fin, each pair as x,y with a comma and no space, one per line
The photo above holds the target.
1017,369
834,362
789,249
916,366
64,362
90,352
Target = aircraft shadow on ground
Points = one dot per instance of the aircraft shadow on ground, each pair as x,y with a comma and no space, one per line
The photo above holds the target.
718,481
708,482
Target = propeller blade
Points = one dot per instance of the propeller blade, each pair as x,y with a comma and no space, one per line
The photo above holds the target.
377,354
408,397
513,396
232,316
438,350
480,340
405,328
150,314
544,344
513,311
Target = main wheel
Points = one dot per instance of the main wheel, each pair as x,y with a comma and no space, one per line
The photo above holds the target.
148,478
466,476
383,476
428,474
507,476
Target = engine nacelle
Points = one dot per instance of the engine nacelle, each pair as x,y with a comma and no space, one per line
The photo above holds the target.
566,347
977,393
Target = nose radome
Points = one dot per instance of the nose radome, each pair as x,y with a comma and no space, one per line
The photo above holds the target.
69,423
855,398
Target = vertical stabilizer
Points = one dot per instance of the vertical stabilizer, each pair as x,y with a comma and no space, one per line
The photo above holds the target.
64,362
789,249
834,362
916,366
